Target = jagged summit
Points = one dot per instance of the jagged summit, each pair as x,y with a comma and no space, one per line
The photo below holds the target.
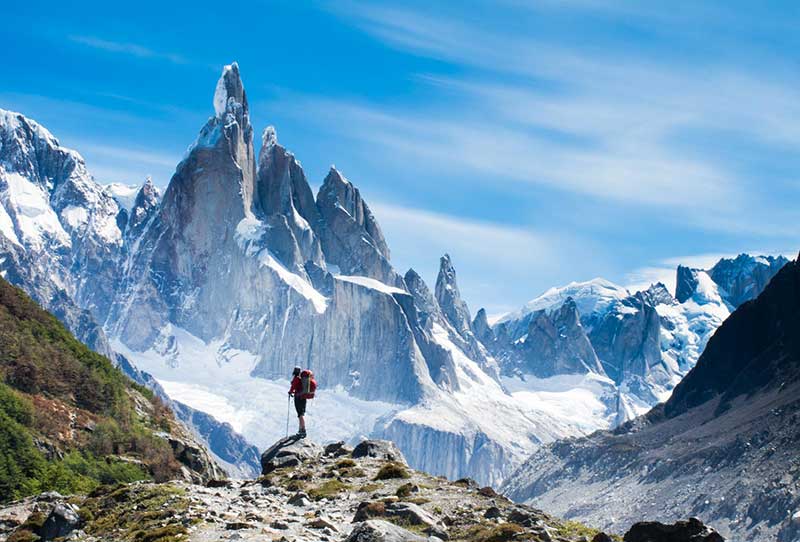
269,137
350,234
447,294
229,95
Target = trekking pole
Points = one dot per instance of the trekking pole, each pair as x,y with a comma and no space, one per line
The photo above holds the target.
288,408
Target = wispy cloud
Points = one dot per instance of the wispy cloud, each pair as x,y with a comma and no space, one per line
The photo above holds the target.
127,154
482,250
127,48
606,125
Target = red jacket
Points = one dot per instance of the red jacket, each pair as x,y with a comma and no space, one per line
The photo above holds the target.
296,387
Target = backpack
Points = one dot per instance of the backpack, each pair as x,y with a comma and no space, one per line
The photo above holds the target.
307,385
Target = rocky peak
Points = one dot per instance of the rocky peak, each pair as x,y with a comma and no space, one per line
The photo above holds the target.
337,190
147,200
29,149
659,294
423,297
481,328
229,96
350,234
686,283
449,297
283,196
744,277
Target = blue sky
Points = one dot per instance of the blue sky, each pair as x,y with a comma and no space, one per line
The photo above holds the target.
537,142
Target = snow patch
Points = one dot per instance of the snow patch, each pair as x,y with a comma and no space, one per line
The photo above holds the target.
36,220
591,297
75,216
123,194
7,226
249,231
216,380
371,283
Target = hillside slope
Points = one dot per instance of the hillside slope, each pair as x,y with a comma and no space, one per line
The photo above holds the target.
308,494
70,421
723,447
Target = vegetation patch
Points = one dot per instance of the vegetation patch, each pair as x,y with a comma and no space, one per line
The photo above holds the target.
345,464
138,513
404,490
369,488
60,399
328,489
392,470
493,533
574,529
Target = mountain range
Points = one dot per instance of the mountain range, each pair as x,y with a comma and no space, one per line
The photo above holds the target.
214,290
723,447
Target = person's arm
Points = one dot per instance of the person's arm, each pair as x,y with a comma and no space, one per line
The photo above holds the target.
295,386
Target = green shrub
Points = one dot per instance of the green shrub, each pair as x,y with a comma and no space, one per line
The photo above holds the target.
392,470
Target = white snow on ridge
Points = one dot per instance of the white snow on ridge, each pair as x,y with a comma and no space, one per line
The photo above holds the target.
249,232
7,226
75,216
124,194
371,283
36,220
298,283
593,296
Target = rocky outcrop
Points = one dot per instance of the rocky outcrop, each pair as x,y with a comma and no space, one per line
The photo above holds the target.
380,449
289,452
556,344
692,530
686,283
376,530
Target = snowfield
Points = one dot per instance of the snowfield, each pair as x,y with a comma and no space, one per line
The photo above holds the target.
216,380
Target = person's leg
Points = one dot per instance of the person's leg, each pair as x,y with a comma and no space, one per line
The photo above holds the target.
300,406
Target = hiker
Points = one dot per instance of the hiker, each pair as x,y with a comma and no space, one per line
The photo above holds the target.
302,388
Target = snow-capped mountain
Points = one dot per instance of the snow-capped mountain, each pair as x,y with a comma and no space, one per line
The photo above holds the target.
722,448
639,344
238,272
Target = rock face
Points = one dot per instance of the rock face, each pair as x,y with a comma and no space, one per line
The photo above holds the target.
351,237
721,448
745,276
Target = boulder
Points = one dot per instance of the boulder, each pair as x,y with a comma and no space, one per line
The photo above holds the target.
602,537
289,452
692,530
299,499
337,449
63,519
376,530
380,449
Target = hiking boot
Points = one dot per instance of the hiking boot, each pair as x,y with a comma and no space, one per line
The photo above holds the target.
301,434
